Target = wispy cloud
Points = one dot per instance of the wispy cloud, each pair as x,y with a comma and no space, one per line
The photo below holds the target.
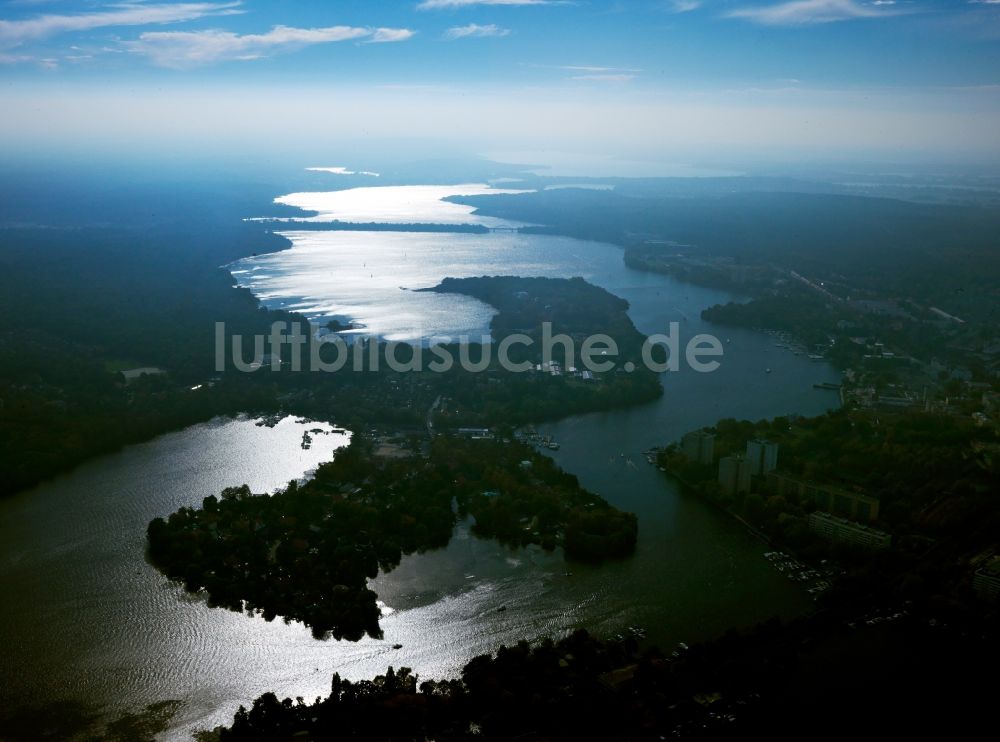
185,49
589,69
604,77
806,12
389,35
14,33
474,29
15,58
593,73
683,6
439,4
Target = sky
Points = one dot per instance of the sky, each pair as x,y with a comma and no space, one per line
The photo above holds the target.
688,79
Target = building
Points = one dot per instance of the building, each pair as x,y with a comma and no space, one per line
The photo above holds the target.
762,455
835,500
476,434
734,474
986,580
134,373
843,531
699,446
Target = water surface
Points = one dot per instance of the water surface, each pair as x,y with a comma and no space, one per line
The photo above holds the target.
370,277
92,620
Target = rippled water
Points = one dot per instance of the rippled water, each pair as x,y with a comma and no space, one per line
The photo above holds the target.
85,617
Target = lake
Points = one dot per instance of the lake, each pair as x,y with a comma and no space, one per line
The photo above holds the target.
93,620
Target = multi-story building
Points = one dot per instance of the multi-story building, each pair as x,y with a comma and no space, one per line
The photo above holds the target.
835,500
734,474
762,455
841,530
699,446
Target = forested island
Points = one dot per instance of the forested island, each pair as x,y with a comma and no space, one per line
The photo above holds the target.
307,552
572,306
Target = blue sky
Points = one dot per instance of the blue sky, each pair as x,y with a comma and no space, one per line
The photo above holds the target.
875,63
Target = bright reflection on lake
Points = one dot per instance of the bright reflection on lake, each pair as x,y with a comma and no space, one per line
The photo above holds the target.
369,277
86,617
394,205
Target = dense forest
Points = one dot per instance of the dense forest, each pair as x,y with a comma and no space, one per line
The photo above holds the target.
81,301
572,306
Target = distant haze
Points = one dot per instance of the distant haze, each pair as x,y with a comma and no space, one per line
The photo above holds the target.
677,127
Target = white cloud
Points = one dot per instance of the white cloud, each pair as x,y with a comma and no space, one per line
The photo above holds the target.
388,35
804,12
184,49
14,33
438,4
684,6
474,29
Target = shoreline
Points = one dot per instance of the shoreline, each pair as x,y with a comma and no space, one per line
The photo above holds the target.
689,489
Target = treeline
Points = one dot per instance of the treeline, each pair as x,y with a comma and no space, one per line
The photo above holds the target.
916,673
307,552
